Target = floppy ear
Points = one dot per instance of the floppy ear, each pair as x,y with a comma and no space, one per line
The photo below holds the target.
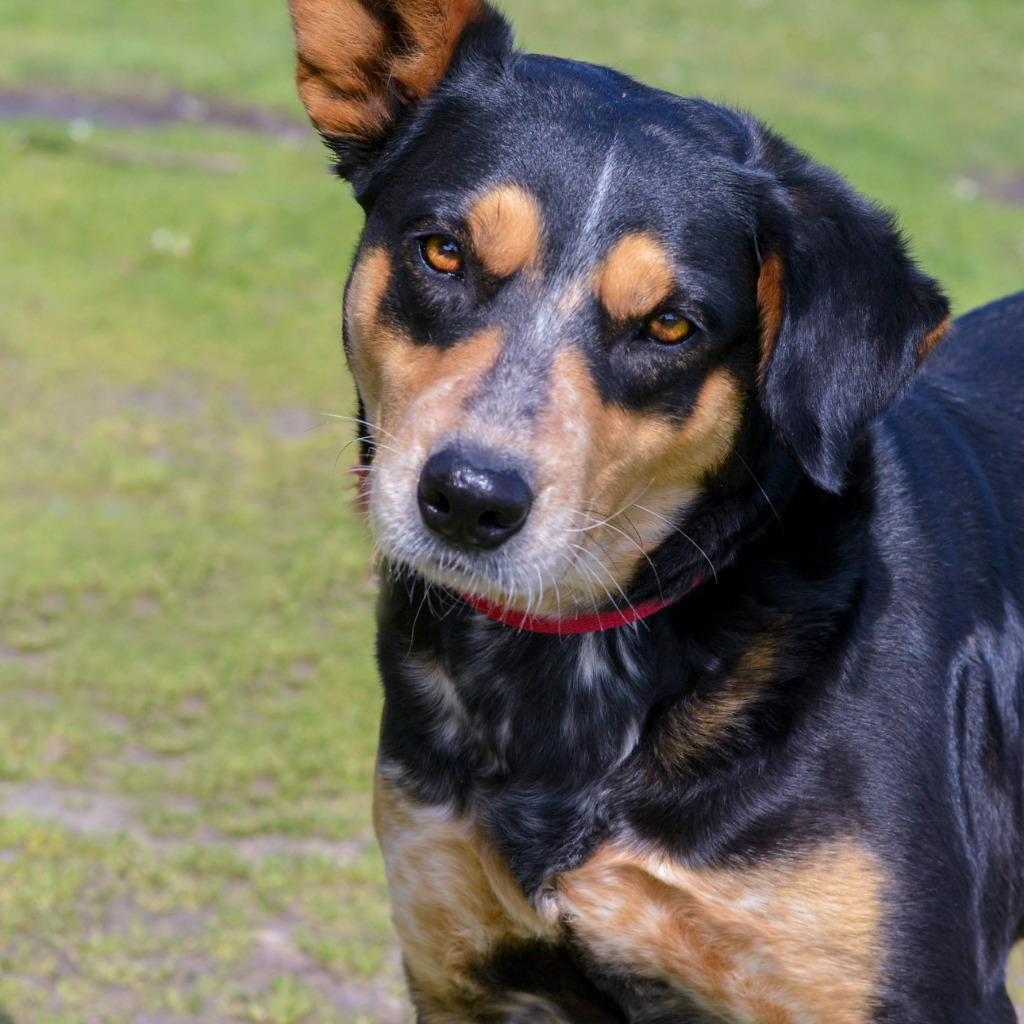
846,316
363,64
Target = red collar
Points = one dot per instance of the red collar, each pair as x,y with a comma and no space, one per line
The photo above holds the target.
589,622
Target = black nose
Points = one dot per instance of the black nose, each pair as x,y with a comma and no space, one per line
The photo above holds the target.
471,500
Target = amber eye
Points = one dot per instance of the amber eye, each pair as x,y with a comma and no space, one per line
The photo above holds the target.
668,328
442,253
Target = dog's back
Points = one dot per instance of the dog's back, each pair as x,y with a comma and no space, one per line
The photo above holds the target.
960,436
940,654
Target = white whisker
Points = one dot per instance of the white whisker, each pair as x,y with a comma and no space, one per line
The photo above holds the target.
682,533
756,481
360,423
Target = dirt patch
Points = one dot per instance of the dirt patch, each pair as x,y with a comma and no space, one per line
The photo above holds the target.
142,1017
179,398
31,696
275,952
171,955
257,847
166,403
1003,188
76,810
102,814
1006,190
12,656
130,111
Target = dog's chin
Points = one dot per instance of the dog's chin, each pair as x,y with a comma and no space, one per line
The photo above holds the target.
455,571
543,589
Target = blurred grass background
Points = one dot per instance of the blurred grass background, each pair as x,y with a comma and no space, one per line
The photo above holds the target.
188,697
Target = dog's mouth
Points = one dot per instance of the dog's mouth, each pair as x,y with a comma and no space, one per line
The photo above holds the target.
556,520
475,533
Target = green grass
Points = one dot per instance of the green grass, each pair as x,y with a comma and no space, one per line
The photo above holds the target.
106,930
185,603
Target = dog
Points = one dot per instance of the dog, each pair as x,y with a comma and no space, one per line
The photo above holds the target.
701,623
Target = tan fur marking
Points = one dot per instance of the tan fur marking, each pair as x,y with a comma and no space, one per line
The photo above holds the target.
506,227
452,900
409,371
770,307
636,468
391,370
366,290
793,940
340,51
352,72
788,942
635,277
931,339
705,720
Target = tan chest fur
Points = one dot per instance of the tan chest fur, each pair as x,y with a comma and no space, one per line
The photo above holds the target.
793,941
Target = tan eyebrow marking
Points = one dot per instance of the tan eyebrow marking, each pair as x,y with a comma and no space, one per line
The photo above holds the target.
635,277
506,226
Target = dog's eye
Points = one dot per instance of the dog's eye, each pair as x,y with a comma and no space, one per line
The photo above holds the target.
668,328
442,253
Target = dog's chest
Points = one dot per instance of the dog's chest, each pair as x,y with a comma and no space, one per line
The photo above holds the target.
791,941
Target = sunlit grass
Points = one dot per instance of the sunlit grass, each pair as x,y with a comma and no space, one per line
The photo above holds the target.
185,602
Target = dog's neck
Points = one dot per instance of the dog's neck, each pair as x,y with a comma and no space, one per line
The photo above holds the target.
528,733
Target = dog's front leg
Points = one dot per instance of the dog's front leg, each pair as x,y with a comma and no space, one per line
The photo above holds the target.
476,950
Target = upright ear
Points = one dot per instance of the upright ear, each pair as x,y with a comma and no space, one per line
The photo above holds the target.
363,64
846,316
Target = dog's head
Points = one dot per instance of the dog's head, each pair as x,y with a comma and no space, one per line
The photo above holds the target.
580,304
